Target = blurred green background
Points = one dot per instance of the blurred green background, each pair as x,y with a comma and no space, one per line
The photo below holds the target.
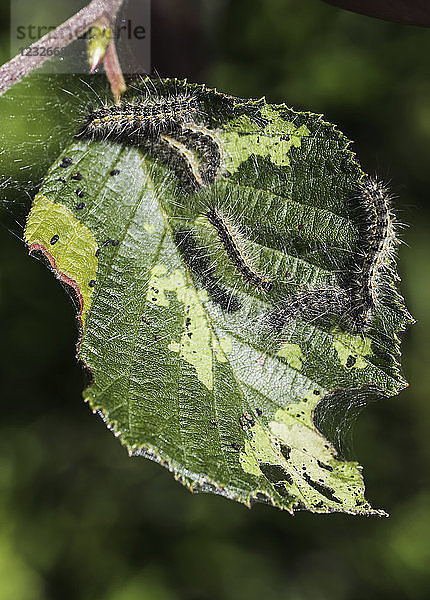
81,520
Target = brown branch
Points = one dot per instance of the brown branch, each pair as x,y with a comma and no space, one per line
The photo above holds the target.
20,66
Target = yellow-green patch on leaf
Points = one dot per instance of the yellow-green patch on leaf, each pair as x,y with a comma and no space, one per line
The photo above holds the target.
352,350
222,348
74,250
301,464
197,344
242,137
149,227
293,354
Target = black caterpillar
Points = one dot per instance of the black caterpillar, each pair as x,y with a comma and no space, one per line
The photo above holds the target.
235,252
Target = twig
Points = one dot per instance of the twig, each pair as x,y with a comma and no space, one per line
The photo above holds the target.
113,71
20,66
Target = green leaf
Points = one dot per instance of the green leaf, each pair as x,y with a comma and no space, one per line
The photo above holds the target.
189,366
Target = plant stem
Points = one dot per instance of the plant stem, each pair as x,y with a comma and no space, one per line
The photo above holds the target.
21,65
113,71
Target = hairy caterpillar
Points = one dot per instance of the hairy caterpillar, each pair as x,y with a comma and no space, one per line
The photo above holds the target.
170,127
378,239
235,252
141,120
310,305
197,260
361,283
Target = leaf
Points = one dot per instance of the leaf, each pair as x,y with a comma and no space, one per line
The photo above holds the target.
180,280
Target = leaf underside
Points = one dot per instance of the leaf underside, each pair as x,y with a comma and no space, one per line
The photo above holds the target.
189,367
